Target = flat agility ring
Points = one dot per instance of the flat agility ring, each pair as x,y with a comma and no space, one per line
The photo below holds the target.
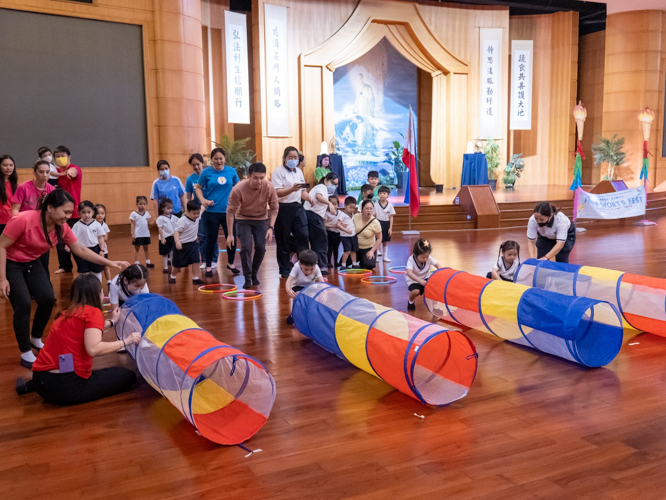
211,288
398,270
378,280
242,295
355,272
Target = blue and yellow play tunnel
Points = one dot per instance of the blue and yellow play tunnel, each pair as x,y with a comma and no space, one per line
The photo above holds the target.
225,394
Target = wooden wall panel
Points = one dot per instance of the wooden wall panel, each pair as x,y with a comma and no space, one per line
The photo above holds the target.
591,52
634,78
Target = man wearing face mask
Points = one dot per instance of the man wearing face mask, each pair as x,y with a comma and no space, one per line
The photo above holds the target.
315,213
47,155
291,220
550,233
70,180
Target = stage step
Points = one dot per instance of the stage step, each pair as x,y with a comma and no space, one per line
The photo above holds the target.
433,226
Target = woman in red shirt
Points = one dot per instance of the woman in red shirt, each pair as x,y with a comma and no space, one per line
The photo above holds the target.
9,178
26,238
63,374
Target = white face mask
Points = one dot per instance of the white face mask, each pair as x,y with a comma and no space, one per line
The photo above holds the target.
48,158
331,188
164,173
292,164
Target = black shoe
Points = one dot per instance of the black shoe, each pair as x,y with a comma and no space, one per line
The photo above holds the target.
234,270
150,266
26,364
248,284
172,280
324,272
209,274
22,386
411,306
284,276
255,281
165,271
290,320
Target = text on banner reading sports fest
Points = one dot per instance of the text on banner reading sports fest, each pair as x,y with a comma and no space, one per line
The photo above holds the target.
619,205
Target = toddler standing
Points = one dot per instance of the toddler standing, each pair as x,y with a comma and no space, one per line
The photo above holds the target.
140,230
90,234
100,216
166,225
186,252
384,213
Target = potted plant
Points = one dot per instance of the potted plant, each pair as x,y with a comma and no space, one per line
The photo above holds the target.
492,152
238,156
609,151
394,156
513,170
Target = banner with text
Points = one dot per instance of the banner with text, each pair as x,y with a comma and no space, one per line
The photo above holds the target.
277,71
490,88
238,82
618,205
521,85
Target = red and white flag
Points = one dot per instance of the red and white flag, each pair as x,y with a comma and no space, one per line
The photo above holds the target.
409,159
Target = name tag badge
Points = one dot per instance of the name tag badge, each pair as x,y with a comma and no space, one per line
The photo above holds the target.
222,180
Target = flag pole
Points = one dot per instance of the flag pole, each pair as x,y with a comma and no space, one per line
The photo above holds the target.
410,129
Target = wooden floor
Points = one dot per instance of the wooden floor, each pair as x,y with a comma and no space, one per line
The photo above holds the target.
532,426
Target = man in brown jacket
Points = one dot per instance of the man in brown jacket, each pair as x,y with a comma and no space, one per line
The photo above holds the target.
253,203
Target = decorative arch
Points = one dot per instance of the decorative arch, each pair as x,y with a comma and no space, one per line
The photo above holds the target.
404,28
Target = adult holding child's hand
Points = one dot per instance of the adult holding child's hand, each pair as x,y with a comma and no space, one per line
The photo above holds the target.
26,238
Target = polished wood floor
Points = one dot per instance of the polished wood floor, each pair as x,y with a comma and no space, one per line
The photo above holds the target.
532,426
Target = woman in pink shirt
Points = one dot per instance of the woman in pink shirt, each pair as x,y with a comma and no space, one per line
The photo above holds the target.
25,239
9,178
29,193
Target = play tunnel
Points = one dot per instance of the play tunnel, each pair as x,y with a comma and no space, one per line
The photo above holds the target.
582,330
225,394
640,300
420,359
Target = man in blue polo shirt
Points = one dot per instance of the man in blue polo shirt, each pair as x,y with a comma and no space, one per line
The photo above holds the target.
213,189
196,161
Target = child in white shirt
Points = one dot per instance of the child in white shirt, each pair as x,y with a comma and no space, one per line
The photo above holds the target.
140,230
507,263
166,225
348,232
100,216
304,273
418,267
384,213
186,252
90,234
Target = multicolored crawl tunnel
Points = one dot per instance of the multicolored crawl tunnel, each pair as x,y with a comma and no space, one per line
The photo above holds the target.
641,300
225,394
420,359
582,330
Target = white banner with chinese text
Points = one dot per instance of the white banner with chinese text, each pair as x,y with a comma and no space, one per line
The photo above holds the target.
277,70
618,205
238,83
520,117
490,88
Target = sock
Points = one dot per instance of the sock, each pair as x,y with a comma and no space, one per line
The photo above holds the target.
411,301
108,282
165,261
29,357
356,263
147,261
173,277
99,277
36,342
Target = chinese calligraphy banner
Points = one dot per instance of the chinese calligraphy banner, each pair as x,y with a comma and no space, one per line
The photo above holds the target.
521,85
238,84
277,70
619,205
490,88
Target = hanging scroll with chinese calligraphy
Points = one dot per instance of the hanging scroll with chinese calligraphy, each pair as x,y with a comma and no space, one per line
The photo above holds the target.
490,87
521,85
238,85
277,88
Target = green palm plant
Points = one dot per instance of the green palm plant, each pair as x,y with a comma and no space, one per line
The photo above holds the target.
609,151
238,156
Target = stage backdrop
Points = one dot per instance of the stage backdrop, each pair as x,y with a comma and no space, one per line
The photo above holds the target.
372,96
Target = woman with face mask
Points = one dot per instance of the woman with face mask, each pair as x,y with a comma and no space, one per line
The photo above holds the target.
315,213
291,220
550,233
168,186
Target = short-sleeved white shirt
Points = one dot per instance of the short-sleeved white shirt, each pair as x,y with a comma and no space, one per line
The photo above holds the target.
419,270
168,224
88,234
331,221
506,272
348,223
116,291
105,228
188,229
302,279
558,231
319,208
140,224
283,178
383,213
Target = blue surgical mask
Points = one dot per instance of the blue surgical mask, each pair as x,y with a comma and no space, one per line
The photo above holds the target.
164,173
292,164
331,188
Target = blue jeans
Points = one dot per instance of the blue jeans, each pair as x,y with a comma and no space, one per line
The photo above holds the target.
202,243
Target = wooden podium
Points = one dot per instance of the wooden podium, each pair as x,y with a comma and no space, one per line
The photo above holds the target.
609,187
480,204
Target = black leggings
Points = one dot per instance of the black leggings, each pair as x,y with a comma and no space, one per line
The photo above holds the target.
545,245
363,261
212,222
291,220
65,257
333,247
317,235
70,389
26,280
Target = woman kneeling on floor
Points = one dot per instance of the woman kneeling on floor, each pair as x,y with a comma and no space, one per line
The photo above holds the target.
62,373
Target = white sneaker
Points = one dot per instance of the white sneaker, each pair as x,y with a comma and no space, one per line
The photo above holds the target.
202,266
213,265
386,259
379,253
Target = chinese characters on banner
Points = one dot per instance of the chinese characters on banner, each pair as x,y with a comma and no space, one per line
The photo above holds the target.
277,82
490,88
238,85
521,85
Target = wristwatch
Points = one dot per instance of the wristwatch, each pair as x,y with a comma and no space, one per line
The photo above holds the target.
271,227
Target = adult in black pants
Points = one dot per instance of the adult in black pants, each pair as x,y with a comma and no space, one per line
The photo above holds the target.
550,233
316,212
76,336
291,220
26,238
254,204
369,235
